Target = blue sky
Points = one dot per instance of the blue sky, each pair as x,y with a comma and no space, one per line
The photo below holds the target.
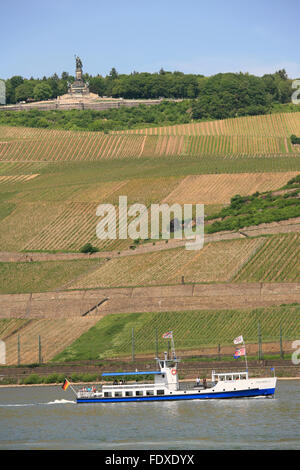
39,38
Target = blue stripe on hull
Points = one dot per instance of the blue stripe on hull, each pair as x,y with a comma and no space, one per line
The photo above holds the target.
235,394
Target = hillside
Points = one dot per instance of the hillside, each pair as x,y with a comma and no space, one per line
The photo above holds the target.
246,172
245,136
192,330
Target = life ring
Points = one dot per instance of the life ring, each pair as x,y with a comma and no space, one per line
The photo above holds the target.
173,371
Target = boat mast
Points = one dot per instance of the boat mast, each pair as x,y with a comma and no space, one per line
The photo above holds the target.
169,335
173,346
246,357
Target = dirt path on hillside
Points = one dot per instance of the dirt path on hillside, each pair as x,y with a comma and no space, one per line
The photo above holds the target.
284,226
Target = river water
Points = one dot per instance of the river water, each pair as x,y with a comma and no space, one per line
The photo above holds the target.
46,417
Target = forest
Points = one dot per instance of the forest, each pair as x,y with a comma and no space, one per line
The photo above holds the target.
219,96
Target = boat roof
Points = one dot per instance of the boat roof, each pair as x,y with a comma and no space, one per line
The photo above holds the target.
148,372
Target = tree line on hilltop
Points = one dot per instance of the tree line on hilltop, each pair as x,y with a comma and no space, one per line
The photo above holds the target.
220,96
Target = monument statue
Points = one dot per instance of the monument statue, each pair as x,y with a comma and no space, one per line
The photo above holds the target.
78,90
78,63
78,87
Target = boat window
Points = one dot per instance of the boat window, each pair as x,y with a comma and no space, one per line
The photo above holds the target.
150,392
139,393
107,394
128,394
160,392
118,394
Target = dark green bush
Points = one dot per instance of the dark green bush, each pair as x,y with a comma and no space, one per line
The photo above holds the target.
88,248
294,139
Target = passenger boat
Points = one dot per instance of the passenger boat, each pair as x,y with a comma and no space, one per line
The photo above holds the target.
166,386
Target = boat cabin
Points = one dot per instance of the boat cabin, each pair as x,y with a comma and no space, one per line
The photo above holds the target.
228,376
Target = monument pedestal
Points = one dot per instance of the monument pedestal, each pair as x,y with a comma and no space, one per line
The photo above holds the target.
79,89
78,97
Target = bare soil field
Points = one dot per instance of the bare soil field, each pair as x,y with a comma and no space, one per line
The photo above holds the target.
55,336
219,189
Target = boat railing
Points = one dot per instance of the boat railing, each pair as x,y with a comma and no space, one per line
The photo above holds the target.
85,394
193,385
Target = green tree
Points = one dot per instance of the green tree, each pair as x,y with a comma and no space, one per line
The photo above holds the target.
24,91
113,74
42,91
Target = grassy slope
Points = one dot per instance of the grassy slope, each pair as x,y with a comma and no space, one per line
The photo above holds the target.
41,276
112,336
259,208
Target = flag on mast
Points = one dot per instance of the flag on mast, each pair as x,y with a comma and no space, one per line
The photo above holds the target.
238,340
168,335
65,384
239,352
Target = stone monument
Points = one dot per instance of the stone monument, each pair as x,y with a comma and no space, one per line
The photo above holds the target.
78,87
78,91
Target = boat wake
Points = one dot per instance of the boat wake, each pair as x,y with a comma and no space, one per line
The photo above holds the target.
55,402
59,402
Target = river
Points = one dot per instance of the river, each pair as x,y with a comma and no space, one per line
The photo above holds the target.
46,417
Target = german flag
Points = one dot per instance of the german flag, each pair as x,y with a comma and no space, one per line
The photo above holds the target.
65,384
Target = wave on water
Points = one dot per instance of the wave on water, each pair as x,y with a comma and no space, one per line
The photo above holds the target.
16,404
59,402
55,402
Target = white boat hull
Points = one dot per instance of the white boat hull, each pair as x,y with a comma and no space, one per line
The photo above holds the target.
256,387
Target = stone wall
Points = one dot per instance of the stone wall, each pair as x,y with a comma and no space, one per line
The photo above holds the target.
66,304
83,103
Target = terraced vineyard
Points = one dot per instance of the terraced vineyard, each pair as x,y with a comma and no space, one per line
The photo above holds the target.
278,260
270,125
55,336
8,168
76,219
42,276
51,183
247,136
214,263
9,326
112,336
49,145
16,179
86,147
219,189
25,222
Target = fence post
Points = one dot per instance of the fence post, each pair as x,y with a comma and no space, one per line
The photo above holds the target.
132,343
219,351
259,343
19,351
280,340
156,342
40,351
